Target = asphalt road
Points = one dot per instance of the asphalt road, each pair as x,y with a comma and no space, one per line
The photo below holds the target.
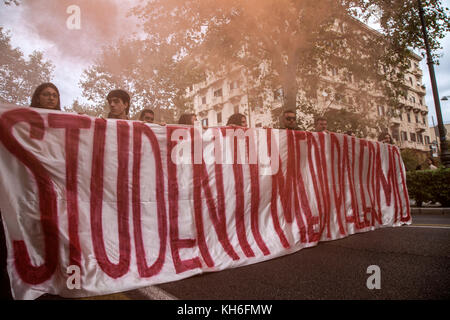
413,261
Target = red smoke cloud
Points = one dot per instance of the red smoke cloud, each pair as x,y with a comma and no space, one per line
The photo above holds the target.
102,23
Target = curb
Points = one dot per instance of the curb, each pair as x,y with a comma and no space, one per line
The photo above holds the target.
430,210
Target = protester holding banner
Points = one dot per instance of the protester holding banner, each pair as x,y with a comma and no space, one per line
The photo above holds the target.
237,119
147,116
187,118
119,103
321,124
46,96
385,137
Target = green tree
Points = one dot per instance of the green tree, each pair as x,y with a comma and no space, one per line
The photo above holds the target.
20,76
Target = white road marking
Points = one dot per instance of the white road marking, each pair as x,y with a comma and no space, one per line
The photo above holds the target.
431,226
155,293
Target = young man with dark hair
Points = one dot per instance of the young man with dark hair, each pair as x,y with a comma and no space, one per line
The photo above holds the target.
289,120
321,125
187,118
147,115
119,104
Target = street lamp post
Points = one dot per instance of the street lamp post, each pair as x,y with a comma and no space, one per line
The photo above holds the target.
445,154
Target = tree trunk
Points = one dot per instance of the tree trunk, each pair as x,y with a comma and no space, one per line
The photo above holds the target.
290,88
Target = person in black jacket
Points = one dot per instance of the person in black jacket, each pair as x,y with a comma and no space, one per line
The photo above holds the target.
187,118
288,120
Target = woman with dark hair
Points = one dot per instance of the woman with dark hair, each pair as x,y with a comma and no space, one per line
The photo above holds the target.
187,118
46,96
237,119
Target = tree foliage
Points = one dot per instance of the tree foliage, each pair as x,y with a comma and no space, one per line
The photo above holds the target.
282,45
19,76
400,23
148,71
86,109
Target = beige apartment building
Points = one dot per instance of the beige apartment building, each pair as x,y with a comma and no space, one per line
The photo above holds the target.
411,127
435,139
216,98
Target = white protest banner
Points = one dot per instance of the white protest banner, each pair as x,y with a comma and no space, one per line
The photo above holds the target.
94,206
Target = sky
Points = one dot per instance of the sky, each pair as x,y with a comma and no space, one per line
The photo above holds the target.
42,25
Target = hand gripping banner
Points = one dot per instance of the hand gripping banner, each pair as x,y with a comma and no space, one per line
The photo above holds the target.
93,206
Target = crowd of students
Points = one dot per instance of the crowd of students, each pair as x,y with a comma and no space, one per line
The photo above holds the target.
47,96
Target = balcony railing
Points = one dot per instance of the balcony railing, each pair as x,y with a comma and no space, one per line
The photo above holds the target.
396,120
421,127
235,92
202,106
217,100
417,71
413,145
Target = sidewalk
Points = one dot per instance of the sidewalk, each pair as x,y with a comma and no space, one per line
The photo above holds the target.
430,210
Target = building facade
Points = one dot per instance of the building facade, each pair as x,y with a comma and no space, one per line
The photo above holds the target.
435,139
